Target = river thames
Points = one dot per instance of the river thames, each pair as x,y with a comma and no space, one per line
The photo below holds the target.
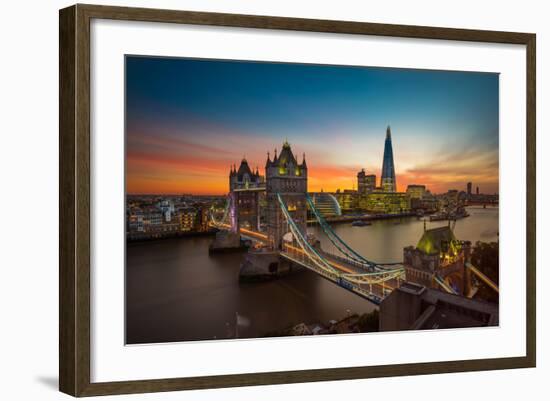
176,291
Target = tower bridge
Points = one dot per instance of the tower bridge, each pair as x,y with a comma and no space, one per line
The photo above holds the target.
284,238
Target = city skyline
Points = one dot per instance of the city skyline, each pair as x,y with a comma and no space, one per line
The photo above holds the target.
189,120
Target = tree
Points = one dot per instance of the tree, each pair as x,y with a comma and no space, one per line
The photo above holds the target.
485,258
369,321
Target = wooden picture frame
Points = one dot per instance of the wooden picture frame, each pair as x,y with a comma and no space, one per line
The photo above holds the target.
74,204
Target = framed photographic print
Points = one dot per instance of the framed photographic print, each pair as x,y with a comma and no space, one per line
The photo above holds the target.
251,200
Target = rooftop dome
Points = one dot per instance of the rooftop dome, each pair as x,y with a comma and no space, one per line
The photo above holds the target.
438,240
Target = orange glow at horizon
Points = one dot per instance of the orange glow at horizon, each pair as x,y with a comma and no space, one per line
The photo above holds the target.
189,120
204,169
216,181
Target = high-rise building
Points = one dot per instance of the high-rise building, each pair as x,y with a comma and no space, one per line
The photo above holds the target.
388,183
347,199
386,202
469,188
416,191
366,183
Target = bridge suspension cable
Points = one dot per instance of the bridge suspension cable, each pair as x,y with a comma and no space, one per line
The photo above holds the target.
321,262
343,247
223,220
444,285
306,247
335,239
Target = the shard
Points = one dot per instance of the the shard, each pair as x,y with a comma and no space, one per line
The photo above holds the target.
388,170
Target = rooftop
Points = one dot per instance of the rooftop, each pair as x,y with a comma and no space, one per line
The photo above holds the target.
440,310
412,288
436,240
285,158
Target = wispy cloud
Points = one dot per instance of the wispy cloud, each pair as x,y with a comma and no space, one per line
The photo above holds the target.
188,121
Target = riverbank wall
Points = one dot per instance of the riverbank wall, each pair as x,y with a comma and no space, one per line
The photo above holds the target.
352,218
226,241
145,237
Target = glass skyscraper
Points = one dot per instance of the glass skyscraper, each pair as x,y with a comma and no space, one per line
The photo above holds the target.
388,170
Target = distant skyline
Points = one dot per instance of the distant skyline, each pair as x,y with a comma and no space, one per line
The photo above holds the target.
189,120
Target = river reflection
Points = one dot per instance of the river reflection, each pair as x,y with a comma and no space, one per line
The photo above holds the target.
176,291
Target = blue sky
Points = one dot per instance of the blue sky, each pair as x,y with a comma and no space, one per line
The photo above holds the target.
189,119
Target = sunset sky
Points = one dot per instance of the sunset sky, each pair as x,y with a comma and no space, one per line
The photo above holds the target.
189,120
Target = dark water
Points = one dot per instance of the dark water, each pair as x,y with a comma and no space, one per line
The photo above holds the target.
176,291
384,240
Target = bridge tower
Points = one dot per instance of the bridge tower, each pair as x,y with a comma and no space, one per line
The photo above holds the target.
285,176
245,187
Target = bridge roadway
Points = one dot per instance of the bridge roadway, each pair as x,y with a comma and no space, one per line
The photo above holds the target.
383,288
374,292
250,234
